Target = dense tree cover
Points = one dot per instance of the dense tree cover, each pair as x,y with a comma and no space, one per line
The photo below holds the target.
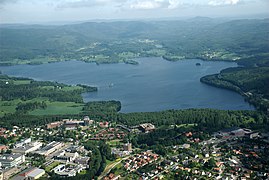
207,118
10,91
3,140
24,107
251,82
102,107
164,137
261,60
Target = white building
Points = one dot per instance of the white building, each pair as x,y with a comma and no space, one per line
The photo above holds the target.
11,160
22,142
67,170
25,149
66,156
50,148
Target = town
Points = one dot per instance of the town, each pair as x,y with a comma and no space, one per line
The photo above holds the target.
57,149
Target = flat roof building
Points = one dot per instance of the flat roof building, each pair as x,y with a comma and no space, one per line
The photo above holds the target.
68,170
30,173
11,160
27,148
50,148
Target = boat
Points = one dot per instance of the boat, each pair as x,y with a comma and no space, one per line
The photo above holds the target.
198,64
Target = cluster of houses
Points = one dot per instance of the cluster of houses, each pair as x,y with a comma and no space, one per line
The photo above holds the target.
139,160
124,151
109,134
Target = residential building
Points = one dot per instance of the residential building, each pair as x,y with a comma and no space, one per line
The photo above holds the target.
54,124
127,147
104,124
3,147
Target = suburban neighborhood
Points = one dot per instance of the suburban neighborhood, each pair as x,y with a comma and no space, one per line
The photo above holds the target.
58,148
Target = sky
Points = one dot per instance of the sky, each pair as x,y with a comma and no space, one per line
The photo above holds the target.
44,11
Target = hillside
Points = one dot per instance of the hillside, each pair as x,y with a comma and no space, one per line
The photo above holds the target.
251,82
111,42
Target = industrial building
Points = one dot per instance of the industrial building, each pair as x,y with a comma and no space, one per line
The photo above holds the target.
11,160
50,148
30,173
25,149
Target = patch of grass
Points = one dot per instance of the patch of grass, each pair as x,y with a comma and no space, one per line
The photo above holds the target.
83,172
186,125
72,88
119,169
114,142
8,107
19,82
51,166
108,162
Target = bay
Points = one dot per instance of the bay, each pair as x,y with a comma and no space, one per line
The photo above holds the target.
153,85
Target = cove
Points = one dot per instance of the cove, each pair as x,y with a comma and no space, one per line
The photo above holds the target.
153,85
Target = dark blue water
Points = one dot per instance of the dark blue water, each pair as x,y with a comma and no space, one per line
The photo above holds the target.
153,85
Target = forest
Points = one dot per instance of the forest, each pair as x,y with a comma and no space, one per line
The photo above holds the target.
251,82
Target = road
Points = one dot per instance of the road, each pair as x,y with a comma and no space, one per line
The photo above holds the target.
111,166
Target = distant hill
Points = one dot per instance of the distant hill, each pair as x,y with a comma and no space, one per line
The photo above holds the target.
210,39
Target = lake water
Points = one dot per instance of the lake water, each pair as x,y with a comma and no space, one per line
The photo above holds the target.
153,85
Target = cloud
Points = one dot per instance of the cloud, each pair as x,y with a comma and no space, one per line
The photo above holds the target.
222,2
155,4
7,1
86,3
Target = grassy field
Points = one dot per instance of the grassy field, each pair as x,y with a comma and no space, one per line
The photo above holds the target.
67,88
114,142
18,82
8,107
54,107
51,166
59,108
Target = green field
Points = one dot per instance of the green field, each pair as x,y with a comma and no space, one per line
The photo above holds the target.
53,108
28,97
59,108
51,166
8,107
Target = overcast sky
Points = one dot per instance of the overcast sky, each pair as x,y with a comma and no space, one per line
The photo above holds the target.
38,11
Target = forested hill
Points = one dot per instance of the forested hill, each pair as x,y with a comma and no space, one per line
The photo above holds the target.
106,42
251,82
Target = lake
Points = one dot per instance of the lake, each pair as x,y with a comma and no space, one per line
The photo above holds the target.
153,85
